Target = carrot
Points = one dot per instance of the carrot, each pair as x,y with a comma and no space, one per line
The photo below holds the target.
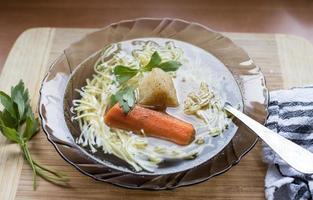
153,123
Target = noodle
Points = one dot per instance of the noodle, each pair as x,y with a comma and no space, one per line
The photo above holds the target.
134,149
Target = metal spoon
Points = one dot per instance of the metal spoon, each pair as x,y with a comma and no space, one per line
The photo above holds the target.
295,155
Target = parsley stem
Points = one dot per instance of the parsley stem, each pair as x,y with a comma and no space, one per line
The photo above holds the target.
59,174
28,157
63,181
44,172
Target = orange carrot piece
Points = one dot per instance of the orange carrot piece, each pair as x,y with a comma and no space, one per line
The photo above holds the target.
153,123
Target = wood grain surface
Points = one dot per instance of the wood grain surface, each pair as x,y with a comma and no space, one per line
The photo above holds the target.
285,61
279,16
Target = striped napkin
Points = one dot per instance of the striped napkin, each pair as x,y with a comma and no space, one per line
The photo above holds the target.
290,115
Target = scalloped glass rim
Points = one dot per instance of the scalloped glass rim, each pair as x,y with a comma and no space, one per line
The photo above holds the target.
228,85
248,76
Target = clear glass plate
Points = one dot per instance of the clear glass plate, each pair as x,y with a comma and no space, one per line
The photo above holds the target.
243,85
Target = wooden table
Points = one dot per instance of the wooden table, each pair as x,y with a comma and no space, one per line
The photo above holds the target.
266,16
285,60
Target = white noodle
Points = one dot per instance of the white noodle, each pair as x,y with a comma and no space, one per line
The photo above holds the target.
135,150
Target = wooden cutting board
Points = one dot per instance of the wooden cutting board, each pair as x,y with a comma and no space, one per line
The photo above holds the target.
285,60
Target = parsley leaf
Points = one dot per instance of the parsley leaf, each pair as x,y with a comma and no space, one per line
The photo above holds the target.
10,133
155,60
123,73
125,97
31,128
21,98
20,88
169,66
115,97
18,99
8,120
128,100
8,104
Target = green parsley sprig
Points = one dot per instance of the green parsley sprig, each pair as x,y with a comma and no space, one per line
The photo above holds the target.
18,124
125,96
124,73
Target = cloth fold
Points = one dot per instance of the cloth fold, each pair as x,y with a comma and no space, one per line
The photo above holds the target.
290,115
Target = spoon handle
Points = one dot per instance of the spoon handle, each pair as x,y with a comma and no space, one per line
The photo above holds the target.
295,155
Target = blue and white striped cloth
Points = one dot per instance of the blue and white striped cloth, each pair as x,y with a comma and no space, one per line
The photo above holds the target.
290,115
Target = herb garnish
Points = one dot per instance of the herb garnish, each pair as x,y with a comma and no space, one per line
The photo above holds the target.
156,62
124,73
126,96
18,124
